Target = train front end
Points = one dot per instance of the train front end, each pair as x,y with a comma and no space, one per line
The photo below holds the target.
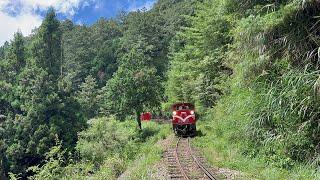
184,119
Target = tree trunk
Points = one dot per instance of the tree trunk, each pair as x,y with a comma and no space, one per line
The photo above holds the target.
2,175
138,119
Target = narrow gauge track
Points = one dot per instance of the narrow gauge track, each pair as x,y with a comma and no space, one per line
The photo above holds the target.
183,164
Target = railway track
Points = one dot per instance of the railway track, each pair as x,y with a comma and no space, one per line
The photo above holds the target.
185,164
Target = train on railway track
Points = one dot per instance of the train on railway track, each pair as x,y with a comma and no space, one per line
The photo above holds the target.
184,119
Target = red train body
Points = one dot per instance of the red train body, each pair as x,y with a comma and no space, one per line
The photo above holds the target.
145,116
184,119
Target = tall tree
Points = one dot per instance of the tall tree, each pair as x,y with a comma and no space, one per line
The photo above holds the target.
3,49
197,68
17,52
78,53
47,47
45,111
136,85
87,97
14,59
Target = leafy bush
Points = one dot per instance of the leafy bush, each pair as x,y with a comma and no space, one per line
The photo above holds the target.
104,138
105,150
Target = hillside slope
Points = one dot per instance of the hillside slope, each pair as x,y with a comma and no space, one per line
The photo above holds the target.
69,94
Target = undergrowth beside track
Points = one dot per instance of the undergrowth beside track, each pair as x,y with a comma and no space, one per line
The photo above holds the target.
226,149
106,150
266,122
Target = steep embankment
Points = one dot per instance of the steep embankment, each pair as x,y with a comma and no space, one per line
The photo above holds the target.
252,67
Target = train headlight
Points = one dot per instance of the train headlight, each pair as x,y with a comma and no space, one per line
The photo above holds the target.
174,113
192,112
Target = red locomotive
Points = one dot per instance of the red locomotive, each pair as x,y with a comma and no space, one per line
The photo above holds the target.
184,119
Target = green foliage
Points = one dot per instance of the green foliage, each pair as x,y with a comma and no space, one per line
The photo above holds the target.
87,96
52,168
46,48
90,51
104,135
267,108
3,50
55,79
250,66
16,57
78,53
271,102
282,76
105,63
35,110
105,150
285,120
135,86
197,68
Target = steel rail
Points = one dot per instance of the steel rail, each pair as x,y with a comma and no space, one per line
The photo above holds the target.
208,174
178,161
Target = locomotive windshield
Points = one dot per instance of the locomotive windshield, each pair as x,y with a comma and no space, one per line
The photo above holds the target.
183,106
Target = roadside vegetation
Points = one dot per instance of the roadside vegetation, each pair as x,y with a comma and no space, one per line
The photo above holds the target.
70,94
105,150
266,122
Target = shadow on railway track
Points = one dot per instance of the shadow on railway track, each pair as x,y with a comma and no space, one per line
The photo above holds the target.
197,134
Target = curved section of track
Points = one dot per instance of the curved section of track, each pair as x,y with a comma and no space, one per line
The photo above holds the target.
203,168
184,164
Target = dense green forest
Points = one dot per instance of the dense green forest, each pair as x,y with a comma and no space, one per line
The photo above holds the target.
70,95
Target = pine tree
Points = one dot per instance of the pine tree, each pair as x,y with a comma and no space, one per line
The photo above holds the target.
45,112
87,97
17,52
47,48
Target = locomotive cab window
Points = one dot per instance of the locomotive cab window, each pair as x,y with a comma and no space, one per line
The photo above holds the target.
183,107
